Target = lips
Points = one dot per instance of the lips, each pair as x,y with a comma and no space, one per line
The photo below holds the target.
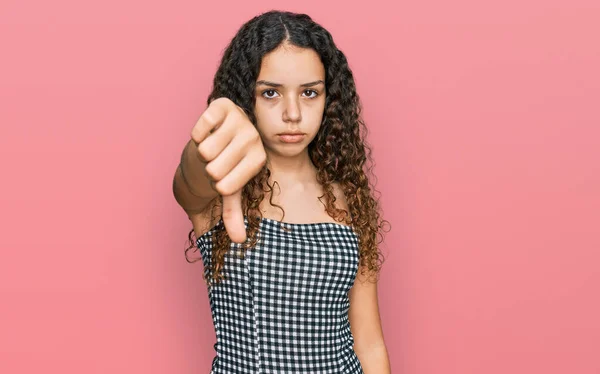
291,137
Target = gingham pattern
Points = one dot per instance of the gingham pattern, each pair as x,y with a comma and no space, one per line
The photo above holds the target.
284,307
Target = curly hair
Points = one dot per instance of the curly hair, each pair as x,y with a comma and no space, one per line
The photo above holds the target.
339,151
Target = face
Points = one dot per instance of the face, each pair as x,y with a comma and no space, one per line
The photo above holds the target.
290,99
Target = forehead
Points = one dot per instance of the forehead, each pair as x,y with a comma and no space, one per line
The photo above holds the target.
291,65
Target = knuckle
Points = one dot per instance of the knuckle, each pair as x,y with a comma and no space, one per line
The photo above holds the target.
209,119
195,134
224,188
212,172
227,213
255,135
250,135
240,116
205,152
236,107
221,101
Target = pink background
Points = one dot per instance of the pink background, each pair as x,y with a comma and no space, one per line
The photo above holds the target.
485,121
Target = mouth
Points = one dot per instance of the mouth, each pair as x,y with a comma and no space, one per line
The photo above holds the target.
291,133
291,137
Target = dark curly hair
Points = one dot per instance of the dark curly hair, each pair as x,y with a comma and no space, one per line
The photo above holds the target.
338,151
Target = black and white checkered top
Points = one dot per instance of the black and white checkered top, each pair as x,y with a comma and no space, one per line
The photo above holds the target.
283,308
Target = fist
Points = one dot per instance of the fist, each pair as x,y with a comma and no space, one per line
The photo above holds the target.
233,153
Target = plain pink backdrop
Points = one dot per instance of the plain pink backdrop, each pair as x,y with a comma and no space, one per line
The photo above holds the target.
485,121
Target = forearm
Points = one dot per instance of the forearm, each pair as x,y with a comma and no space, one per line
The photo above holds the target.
374,360
192,173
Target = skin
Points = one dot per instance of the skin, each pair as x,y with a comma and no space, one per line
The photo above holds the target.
294,107
291,107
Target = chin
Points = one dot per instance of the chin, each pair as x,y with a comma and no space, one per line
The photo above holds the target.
288,150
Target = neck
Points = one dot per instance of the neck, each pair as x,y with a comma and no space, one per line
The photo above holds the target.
292,170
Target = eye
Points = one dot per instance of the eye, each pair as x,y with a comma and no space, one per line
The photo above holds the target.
269,93
312,91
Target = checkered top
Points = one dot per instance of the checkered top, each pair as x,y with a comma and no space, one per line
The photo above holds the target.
284,307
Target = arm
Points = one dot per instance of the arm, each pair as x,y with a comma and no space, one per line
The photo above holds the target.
365,325
191,187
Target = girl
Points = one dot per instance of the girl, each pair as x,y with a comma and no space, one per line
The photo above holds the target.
282,137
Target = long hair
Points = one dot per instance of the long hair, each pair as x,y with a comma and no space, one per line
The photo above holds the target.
338,151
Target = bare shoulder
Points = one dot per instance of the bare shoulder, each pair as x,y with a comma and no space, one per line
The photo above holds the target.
207,218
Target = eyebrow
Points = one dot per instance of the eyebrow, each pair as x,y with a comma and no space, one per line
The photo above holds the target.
271,84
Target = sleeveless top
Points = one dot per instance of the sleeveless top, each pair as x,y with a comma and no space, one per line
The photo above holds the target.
284,307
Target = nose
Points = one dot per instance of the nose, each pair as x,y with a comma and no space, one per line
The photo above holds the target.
291,112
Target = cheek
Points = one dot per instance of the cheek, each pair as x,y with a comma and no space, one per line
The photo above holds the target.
259,113
316,116
266,122
265,117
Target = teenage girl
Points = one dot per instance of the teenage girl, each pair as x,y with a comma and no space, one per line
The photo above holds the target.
283,137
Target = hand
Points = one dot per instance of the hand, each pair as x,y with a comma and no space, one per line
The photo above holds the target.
232,150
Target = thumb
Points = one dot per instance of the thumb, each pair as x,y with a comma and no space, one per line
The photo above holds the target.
233,217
